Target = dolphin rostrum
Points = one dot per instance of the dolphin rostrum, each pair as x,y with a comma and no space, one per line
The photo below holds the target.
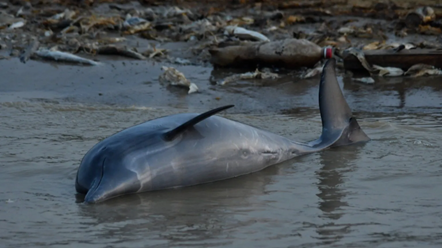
188,149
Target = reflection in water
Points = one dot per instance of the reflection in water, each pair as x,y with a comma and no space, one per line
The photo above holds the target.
335,163
400,92
201,215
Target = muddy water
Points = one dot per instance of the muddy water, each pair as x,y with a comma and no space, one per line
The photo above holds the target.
386,193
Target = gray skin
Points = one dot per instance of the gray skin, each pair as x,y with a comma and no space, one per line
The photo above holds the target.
141,159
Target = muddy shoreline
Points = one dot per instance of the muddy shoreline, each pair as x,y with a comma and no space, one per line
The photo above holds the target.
128,81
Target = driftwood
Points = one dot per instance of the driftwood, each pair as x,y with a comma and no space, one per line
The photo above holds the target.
115,50
389,58
419,16
290,53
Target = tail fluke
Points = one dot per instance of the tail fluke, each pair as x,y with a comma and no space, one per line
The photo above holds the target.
338,126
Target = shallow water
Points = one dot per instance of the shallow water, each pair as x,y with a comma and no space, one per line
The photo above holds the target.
386,193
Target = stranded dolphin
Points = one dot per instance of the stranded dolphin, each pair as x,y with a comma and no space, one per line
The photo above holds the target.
188,149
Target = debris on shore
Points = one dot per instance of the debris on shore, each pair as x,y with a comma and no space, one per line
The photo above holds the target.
422,69
64,57
361,60
228,34
388,71
245,34
176,78
116,50
29,51
365,80
249,75
313,72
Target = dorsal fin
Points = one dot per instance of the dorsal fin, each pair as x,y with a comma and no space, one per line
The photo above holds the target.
170,135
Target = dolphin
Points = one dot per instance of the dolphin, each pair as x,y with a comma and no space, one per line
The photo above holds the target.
189,149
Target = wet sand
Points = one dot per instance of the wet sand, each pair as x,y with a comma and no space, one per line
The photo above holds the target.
128,82
385,193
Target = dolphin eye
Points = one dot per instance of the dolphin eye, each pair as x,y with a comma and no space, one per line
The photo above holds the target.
244,153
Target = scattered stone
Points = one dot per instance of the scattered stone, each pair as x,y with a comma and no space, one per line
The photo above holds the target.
176,78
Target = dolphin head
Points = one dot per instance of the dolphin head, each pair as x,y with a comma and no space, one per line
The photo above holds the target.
112,167
102,175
